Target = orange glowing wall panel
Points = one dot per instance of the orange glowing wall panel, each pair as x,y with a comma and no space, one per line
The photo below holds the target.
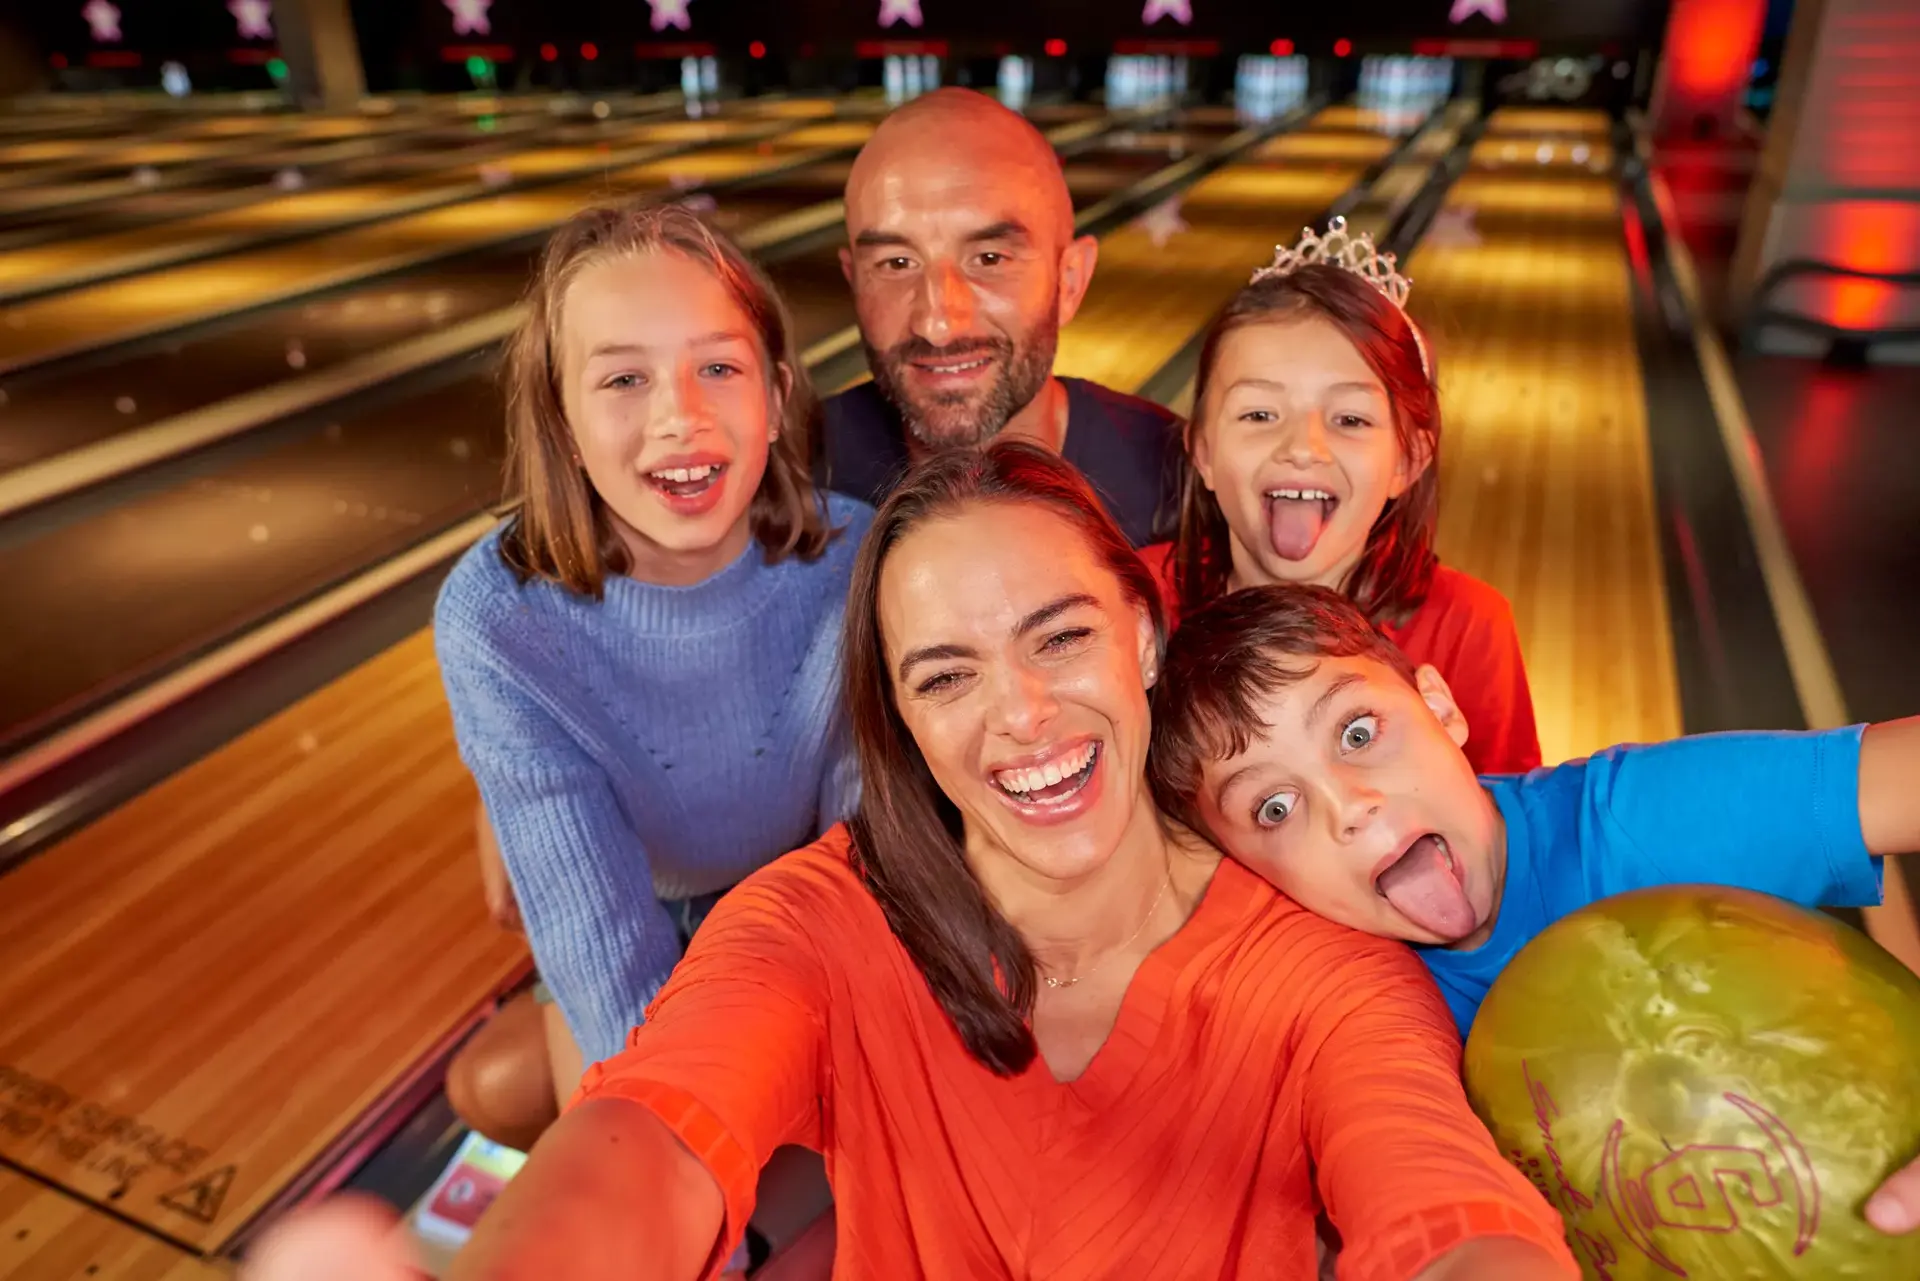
1860,124
1705,65
1852,191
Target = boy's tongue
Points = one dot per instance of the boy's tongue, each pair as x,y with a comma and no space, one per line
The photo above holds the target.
1294,526
1423,888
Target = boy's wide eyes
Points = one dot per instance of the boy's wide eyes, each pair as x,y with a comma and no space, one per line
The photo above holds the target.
1273,810
1359,732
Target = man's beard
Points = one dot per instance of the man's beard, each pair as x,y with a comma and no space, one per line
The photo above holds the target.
967,418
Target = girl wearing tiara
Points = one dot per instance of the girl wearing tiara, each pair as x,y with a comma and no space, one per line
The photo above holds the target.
1313,457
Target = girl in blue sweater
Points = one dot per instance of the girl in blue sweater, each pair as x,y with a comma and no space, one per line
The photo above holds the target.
643,660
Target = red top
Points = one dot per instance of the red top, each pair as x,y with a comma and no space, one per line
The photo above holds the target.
1260,1054
1465,630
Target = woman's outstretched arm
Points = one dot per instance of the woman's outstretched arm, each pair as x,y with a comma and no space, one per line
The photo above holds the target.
1409,1176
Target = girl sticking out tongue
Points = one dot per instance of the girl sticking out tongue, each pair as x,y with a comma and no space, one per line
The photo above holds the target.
1313,457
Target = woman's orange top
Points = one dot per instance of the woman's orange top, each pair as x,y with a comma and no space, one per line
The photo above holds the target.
1260,1053
1465,630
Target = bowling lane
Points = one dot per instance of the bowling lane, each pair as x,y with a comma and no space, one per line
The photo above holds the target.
202,560
129,142
1546,479
68,263
72,406
109,123
48,159
96,316
1161,278
168,146
121,199
206,994
46,1235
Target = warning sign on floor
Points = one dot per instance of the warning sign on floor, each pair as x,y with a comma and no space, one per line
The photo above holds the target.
201,1199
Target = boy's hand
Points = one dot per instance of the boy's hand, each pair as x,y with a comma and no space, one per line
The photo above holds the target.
1895,1208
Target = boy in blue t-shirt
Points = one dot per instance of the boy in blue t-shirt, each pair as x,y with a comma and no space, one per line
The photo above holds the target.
1307,746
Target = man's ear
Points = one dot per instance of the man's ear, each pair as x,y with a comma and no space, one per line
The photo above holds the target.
1439,700
1077,262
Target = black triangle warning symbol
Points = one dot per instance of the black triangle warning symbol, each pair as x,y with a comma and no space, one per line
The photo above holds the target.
201,1199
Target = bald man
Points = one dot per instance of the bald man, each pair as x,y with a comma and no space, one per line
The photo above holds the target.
965,266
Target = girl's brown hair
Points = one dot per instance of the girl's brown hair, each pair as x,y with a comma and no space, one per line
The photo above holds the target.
1396,568
562,531
908,838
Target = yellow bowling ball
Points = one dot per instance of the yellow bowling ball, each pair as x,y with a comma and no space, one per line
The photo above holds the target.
1707,1084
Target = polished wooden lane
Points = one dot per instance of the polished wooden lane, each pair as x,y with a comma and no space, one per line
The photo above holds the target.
206,987
1550,122
119,309
1160,278
1546,477
46,1235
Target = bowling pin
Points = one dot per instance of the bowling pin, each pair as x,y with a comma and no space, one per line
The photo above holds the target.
690,79
895,77
710,75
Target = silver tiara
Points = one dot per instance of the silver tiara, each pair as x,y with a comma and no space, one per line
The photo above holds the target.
1354,253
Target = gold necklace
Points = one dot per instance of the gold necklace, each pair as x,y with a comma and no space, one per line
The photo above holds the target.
1053,982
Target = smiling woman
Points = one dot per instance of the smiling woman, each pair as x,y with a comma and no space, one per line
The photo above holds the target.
656,626
1205,1064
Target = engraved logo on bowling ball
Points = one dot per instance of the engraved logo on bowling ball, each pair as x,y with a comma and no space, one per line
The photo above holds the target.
1705,1188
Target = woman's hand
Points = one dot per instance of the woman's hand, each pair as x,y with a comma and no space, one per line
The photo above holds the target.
1895,1208
346,1239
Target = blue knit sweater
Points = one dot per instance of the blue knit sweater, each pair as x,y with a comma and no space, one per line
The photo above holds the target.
657,744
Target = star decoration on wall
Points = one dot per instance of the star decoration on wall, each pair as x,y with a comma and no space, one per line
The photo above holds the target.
1163,222
470,17
253,17
1453,228
670,13
1491,10
892,11
1181,11
104,18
